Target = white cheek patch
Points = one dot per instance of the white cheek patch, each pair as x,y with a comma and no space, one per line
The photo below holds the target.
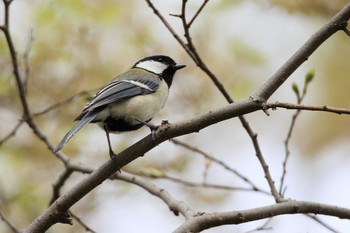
152,66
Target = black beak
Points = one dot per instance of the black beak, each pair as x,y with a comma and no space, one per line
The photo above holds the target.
179,66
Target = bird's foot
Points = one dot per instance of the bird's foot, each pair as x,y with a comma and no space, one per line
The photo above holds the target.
113,156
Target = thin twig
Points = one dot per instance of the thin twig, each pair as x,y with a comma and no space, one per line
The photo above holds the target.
263,227
9,224
76,218
289,135
174,205
322,223
244,122
60,103
219,162
11,133
56,187
27,117
192,52
26,60
197,13
212,186
167,25
323,108
347,31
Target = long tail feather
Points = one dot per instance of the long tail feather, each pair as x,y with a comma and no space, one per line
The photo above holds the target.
84,121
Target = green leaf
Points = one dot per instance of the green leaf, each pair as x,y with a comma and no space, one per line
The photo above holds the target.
309,76
296,89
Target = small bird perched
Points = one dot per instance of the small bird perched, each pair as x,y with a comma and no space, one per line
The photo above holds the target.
130,100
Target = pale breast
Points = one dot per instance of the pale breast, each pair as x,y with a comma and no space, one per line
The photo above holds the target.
142,107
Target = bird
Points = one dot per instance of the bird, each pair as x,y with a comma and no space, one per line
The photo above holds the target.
130,100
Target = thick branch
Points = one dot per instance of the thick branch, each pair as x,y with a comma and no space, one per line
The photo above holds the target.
338,22
58,209
205,221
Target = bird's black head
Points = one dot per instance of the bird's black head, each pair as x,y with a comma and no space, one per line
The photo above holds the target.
161,65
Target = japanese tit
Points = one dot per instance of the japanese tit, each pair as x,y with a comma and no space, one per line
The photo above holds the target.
130,100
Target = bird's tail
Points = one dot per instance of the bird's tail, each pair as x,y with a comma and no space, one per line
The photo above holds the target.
89,116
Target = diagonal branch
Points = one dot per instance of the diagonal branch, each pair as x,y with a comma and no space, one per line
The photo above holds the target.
27,117
60,207
174,205
197,13
338,22
192,52
217,161
57,211
9,224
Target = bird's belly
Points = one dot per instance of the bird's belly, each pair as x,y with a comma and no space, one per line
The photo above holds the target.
128,111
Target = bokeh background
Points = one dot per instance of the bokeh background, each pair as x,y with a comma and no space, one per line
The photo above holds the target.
80,45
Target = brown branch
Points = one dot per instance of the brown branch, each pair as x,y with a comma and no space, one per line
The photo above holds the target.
338,22
9,224
26,60
217,161
206,221
27,117
212,186
192,52
165,132
61,103
347,31
81,223
12,133
291,106
197,13
167,25
174,205
300,99
322,223
56,187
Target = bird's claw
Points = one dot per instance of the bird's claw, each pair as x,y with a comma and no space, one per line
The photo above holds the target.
153,131
113,156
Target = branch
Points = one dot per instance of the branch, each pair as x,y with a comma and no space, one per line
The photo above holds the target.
192,52
81,223
11,133
205,221
323,108
338,22
61,103
60,207
300,99
174,205
57,211
219,162
197,13
9,224
27,117
213,186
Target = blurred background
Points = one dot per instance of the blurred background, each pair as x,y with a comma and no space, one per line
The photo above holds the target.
80,45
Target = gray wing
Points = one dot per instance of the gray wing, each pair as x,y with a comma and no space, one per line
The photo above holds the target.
133,84
118,90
